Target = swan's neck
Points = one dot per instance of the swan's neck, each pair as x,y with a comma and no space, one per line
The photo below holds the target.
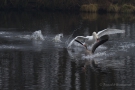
95,36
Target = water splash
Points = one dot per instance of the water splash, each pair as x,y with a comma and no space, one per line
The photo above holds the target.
3,32
37,35
102,47
125,46
73,33
122,47
98,55
25,36
10,47
58,37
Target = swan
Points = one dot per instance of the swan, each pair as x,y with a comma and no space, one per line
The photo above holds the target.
89,40
37,35
58,37
100,41
78,53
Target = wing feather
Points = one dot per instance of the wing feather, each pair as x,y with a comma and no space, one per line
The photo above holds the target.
76,38
109,31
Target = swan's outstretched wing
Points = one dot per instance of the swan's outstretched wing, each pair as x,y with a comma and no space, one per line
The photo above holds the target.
101,40
109,31
76,38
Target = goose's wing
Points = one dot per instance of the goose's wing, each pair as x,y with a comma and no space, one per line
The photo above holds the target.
109,31
76,38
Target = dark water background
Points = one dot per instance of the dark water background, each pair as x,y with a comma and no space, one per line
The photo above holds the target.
26,64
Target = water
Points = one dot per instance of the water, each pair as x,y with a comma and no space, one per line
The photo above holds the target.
27,64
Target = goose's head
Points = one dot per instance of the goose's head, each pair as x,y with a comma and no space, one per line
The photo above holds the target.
95,36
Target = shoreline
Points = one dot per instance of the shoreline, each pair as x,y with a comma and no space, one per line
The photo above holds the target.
83,9
93,6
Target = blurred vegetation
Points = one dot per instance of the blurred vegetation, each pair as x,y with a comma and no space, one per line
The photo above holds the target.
113,8
92,6
89,16
89,8
127,8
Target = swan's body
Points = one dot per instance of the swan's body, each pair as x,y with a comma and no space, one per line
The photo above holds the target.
79,51
100,41
89,40
58,37
37,35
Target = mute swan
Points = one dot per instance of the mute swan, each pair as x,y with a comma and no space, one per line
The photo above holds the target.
58,37
100,41
37,35
89,40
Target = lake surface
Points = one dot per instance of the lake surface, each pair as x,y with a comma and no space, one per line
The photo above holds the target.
27,64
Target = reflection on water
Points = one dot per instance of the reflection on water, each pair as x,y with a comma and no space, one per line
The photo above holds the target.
27,64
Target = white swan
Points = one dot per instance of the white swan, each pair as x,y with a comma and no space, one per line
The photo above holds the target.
58,37
101,40
73,52
89,40
37,35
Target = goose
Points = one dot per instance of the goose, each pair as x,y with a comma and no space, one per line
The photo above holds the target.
37,35
89,40
58,37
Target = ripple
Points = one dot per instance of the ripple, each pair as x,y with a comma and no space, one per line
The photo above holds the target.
10,47
125,46
24,36
99,54
3,32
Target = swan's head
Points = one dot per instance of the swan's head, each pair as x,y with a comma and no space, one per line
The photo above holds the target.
94,34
